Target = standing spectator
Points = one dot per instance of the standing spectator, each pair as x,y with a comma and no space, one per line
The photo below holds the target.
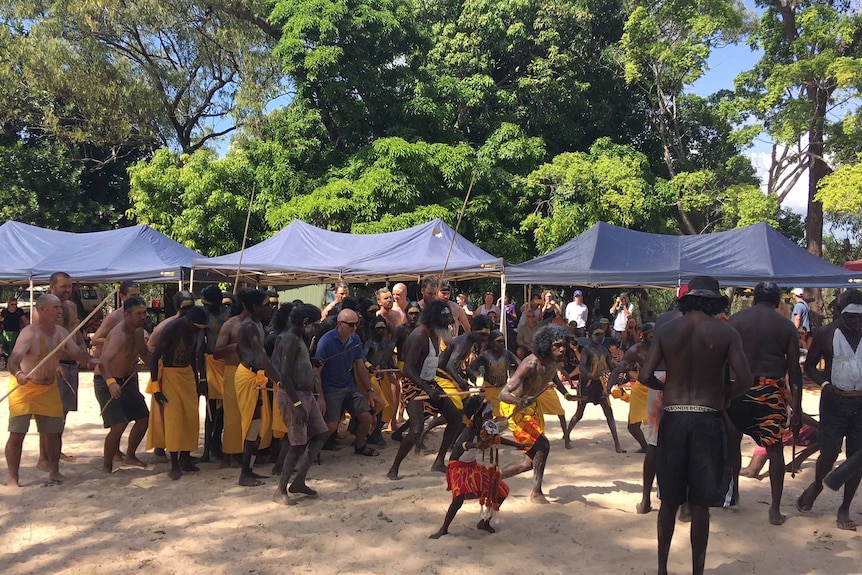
506,305
487,307
577,312
465,305
549,304
14,320
800,315
622,310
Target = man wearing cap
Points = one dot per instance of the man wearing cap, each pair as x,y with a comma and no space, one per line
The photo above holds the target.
594,368
577,311
838,344
693,460
800,314
771,346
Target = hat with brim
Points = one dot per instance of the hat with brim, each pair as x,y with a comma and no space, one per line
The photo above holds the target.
704,286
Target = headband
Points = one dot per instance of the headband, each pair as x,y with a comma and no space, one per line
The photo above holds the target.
852,308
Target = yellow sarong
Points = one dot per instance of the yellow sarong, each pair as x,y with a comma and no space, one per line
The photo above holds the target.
232,436
638,403
279,428
182,422
215,377
378,389
247,396
492,394
549,403
156,427
34,399
527,425
448,385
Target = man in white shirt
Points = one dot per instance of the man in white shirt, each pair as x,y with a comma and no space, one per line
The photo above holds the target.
577,312
621,311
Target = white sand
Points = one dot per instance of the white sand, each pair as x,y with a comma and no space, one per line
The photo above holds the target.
363,523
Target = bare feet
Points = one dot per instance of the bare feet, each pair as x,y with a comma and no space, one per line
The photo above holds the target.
175,473
282,498
254,475
393,475
641,450
249,481
538,498
67,458
189,467
806,501
439,534
158,459
42,465
304,489
844,521
619,449
643,507
485,525
568,443
439,467
132,460
59,477
107,469
13,483
776,518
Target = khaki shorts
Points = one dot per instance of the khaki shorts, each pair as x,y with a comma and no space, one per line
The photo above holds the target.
44,424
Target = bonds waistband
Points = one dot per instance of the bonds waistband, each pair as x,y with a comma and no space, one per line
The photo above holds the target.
690,408
68,362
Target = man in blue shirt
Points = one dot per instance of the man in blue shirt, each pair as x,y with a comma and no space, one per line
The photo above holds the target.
800,311
340,350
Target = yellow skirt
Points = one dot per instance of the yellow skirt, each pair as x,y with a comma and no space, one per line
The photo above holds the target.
492,394
232,436
638,403
215,377
34,399
247,396
549,403
156,427
449,386
182,422
527,425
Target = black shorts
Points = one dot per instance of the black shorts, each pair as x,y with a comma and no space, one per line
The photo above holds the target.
593,392
348,399
693,459
840,417
129,407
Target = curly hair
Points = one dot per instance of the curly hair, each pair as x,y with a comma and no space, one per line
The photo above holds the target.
436,314
251,297
545,336
480,322
851,295
304,311
708,305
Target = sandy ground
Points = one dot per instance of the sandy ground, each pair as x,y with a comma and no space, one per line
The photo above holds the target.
138,519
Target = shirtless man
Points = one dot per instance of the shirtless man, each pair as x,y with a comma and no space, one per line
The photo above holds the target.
462,322
771,345
399,294
595,363
400,340
127,290
388,310
518,398
838,344
453,361
36,394
226,351
300,399
253,376
213,372
177,387
631,360
420,370
116,385
61,286
493,365
692,462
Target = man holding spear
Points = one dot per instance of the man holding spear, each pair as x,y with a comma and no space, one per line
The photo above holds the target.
35,393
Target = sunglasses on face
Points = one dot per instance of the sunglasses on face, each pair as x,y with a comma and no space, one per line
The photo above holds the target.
352,324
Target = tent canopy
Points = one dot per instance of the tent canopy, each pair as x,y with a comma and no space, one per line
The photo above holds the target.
607,255
304,254
138,253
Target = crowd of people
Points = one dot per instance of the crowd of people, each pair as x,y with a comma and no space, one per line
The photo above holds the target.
279,379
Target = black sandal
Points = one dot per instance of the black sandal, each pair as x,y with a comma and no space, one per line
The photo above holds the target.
366,451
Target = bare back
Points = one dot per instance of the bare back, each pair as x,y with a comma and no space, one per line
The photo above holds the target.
769,341
696,350
226,345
